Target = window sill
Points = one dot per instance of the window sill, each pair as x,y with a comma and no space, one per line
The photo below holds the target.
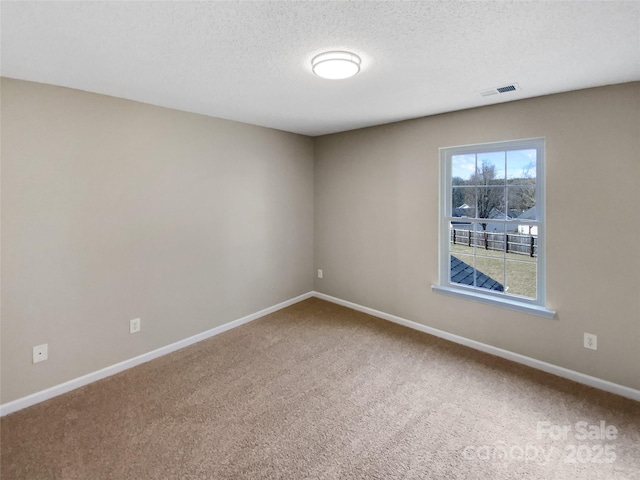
500,302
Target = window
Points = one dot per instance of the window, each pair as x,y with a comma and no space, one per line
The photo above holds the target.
492,224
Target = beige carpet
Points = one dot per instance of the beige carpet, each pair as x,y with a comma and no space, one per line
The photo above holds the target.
319,391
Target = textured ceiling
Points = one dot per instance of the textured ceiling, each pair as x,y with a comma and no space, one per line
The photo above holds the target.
250,61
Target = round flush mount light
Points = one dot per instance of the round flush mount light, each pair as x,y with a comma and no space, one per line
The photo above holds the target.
336,65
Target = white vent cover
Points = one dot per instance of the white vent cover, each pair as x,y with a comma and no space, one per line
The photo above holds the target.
512,87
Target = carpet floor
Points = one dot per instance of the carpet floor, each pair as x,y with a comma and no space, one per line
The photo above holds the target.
319,391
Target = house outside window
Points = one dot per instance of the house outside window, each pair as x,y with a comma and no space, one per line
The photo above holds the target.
492,226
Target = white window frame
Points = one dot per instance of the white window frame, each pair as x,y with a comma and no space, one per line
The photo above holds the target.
534,306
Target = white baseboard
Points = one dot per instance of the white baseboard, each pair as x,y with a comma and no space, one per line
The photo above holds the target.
483,347
65,387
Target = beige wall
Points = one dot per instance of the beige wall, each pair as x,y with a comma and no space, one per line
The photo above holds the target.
113,210
376,224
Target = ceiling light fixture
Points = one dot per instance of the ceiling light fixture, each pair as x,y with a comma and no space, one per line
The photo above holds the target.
336,65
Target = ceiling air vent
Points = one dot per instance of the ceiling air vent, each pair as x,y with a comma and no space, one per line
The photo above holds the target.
504,89
508,88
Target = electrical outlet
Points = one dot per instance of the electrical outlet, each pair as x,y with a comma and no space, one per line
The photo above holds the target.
40,353
134,325
590,341
319,273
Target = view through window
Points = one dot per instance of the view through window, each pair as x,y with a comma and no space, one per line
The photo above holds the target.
492,238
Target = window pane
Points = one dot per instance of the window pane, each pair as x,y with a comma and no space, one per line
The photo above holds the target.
490,203
463,168
462,271
491,242
490,273
523,240
521,202
461,237
521,167
463,201
491,168
522,278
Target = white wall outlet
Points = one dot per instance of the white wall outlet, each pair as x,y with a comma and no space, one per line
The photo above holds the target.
134,325
590,341
40,353
319,273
